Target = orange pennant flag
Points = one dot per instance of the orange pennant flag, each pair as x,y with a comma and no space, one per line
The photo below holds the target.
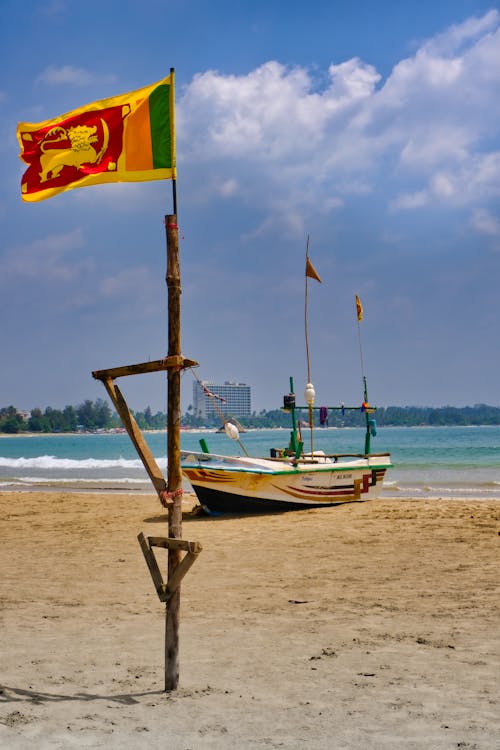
359,309
311,271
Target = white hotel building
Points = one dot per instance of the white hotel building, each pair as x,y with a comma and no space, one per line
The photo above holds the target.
237,399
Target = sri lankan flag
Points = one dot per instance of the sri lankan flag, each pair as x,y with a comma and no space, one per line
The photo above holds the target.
128,138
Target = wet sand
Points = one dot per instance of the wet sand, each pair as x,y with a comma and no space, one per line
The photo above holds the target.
373,625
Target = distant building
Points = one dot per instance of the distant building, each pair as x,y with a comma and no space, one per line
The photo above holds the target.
237,399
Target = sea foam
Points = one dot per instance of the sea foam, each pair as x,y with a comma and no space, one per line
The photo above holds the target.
52,462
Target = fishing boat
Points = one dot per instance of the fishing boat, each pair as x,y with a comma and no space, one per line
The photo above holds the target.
290,478
242,485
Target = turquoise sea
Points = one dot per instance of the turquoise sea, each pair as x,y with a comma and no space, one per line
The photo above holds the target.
429,462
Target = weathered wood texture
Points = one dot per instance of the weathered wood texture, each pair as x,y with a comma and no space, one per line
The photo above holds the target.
152,565
144,367
167,543
174,581
192,549
174,474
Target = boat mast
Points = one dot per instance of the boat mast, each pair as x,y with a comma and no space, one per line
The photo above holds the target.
309,393
359,317
367,414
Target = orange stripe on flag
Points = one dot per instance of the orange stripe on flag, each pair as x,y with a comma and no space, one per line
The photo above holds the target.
137,139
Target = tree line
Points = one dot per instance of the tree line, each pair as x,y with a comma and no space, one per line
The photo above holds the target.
391,416
91,416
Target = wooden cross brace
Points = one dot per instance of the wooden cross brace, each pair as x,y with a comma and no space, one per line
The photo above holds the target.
192,549
107,377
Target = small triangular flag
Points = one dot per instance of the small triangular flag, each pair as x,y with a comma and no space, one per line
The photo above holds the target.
311,271
359,309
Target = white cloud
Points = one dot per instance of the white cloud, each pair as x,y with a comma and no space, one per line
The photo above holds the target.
46,259
67,74
121,197
476,179
486,223
471,180
458,35
126,282
128,292
448,143
268,113
54,8
351,81
228,188
434,120
443,185
54,76
62,262
410,200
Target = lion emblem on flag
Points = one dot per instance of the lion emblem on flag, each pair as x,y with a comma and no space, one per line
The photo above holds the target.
76,151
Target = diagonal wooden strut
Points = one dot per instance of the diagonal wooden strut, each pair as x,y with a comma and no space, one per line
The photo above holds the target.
134,432
136,436
192,549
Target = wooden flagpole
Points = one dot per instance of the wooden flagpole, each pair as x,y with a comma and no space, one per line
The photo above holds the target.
169,492
174,474
306,321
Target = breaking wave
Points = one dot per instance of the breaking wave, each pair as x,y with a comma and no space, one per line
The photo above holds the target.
51,462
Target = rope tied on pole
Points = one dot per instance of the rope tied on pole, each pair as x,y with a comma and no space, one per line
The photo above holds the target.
167,498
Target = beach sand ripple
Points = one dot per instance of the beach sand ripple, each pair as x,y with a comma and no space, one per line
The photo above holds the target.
371,625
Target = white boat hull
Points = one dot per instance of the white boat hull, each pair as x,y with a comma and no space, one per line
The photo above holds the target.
245,485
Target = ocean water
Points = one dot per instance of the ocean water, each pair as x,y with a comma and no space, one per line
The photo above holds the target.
429,462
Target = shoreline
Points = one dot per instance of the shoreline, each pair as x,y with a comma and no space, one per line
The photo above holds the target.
369,625
388,494
189,494
216,430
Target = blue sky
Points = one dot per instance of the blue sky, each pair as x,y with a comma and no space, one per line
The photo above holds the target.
371,127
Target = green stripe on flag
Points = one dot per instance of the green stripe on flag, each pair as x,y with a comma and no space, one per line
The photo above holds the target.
159,118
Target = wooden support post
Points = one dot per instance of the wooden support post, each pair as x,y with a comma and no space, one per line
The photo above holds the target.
174,475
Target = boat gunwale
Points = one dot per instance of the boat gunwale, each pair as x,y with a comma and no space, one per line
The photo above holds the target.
315,467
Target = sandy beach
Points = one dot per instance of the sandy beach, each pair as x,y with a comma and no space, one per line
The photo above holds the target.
371,625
